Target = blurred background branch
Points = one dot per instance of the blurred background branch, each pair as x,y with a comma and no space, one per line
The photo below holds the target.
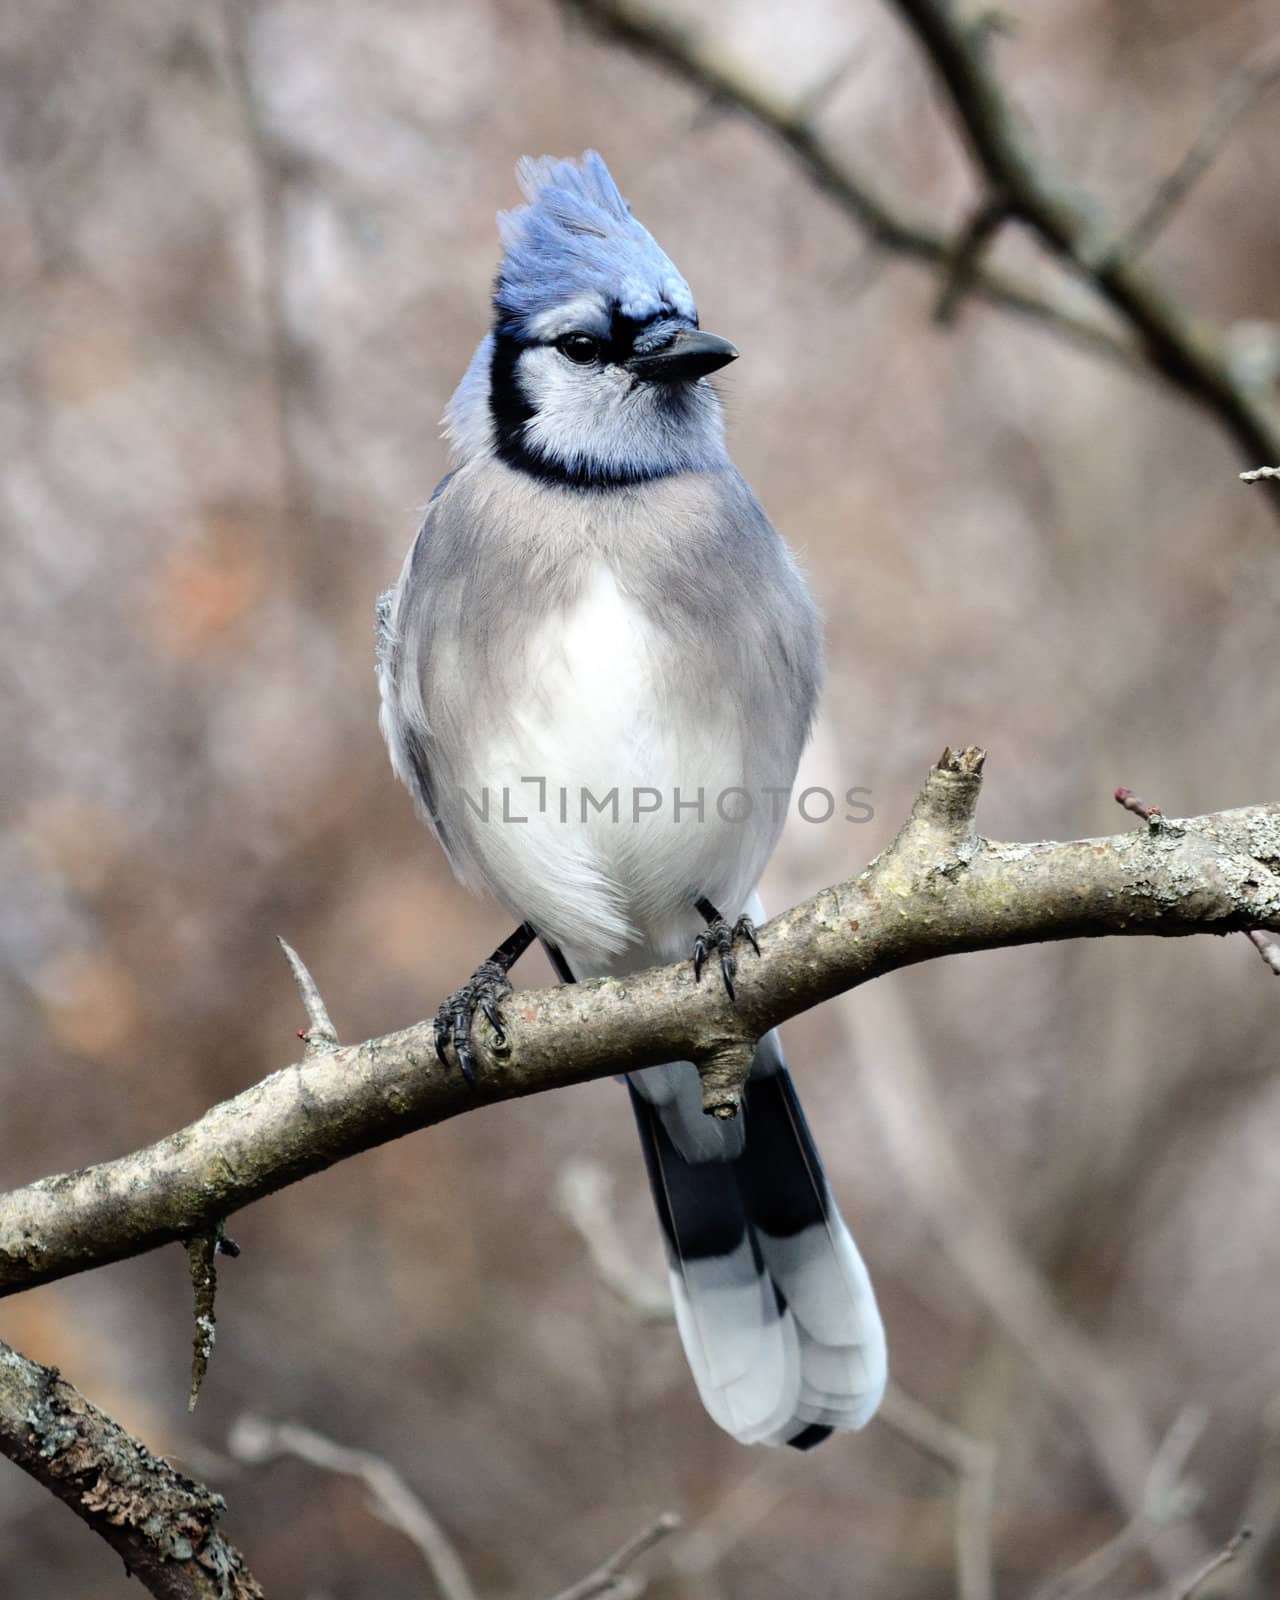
1071,223
1241,93
706,60
1023,186
254,1440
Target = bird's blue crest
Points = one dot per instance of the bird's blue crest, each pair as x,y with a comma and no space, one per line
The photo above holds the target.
577,237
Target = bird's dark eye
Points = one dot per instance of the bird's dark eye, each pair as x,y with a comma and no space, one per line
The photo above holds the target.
579,347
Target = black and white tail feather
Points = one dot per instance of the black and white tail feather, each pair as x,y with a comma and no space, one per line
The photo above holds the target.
774,1305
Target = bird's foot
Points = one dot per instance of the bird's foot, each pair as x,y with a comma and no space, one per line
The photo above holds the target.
721,936
483,990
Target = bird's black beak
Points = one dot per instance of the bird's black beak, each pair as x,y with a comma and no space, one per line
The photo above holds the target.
686,354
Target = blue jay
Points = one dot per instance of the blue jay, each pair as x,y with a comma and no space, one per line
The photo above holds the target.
597,672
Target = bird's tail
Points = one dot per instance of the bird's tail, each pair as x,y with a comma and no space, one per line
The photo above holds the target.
774,1305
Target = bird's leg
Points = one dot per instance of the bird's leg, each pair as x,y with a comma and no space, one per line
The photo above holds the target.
720,935
482,991
556,957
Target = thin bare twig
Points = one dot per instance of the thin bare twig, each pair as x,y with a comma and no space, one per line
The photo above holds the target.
1170,342
1186,1589
815,100
611,1578
1178,345
254,1440
1139,807
745,1507
584,1197
982,228
269,197
1167,1499
898,1090
202,1250
1243,89
973,1462
692,53
1252,1573
1267,946
320,1034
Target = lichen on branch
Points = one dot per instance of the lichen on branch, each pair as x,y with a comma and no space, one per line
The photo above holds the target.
163,1525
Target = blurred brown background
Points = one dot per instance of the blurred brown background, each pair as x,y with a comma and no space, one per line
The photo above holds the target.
246,256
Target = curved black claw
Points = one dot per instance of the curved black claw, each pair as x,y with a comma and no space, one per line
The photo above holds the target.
720,936
482,991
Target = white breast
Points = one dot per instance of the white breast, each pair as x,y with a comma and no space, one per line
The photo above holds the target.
596,688
606,731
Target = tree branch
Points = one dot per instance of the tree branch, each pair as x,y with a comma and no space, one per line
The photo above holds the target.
693,54
939,889
943,1189
1186,352
973,1463
1022,182
1167,1498
1268,947
1227,1554
202,1256
255,1440
163,1526
1243,89
977,236
610,1580
320,1034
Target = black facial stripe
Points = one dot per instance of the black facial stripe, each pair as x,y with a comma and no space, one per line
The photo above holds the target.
507,401
511,410
623,332
619,345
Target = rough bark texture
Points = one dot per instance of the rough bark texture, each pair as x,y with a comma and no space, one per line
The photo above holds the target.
939,889
163,1526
